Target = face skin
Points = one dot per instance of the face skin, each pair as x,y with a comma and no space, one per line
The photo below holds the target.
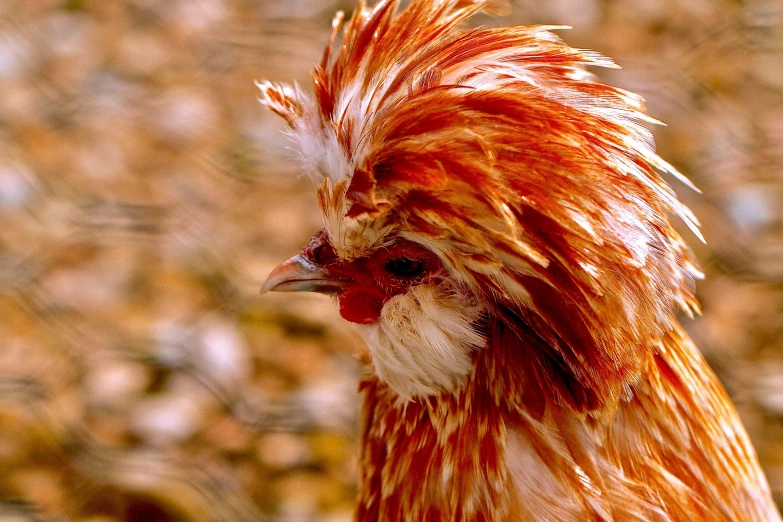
364,285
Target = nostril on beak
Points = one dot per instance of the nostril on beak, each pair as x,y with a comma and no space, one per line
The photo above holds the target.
300,274
319,250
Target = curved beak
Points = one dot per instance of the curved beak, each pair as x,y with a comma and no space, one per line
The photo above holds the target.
299,274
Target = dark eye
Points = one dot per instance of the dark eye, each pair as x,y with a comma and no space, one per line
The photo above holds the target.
404,267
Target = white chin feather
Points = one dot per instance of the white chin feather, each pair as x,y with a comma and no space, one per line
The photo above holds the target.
424,341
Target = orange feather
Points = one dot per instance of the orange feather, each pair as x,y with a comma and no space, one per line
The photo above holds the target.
540,190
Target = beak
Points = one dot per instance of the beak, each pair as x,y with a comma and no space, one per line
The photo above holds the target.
299,274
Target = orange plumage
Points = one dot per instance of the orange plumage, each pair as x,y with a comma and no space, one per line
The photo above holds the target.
497,223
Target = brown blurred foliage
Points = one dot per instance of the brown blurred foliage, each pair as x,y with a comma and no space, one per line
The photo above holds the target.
144,195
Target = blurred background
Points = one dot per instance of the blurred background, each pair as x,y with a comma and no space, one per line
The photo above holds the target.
145,195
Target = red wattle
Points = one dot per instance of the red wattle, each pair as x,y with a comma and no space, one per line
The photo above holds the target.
360,307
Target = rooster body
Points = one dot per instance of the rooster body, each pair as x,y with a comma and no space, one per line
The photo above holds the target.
497,225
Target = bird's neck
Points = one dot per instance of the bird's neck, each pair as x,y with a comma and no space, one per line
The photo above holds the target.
502,449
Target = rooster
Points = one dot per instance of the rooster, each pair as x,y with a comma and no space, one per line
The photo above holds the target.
497,225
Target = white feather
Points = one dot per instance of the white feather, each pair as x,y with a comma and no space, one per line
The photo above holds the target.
424,341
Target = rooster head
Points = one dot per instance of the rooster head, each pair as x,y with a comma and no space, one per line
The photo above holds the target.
470,177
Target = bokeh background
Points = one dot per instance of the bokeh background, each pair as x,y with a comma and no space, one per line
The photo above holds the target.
145,195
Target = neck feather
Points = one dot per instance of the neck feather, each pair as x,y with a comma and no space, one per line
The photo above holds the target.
505,448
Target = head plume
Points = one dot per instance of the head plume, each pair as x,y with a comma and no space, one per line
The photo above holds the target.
536,184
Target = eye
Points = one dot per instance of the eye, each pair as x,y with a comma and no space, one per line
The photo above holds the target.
404,266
